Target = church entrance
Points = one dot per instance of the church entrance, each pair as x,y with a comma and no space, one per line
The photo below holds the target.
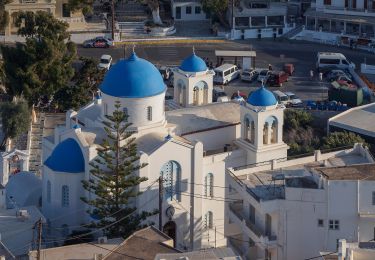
170,229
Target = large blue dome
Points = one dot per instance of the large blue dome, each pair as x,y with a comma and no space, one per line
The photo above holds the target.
262,98
66,157
193,63
133,78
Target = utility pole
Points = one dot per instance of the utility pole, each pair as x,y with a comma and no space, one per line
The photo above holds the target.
160,202
215,236
113,18
39,224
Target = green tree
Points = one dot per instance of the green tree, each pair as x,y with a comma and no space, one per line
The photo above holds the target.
43,65
154,6
341,139
85,5
83,88
217,9
4,16
294,119
15,119
114,179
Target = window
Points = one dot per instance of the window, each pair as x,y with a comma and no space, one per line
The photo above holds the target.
65,10
329,61
171,174
209,185
320,223
65,196
197,10
334,224
208,220
149,113
327,2
188,9
252,214
48,191
105,109
373,198
125,110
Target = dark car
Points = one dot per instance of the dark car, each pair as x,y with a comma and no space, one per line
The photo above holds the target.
98,42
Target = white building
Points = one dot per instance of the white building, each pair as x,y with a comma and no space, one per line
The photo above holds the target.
341,20
294,209
259,19
200,152
187,10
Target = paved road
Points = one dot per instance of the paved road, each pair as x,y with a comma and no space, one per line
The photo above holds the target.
301,54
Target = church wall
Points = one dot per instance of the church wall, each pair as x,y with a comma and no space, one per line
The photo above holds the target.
137,108
217,138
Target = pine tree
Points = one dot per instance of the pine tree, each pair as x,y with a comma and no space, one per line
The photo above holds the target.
114,180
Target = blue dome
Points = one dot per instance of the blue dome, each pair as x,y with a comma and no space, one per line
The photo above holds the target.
133,78
193,64
262,98
66,157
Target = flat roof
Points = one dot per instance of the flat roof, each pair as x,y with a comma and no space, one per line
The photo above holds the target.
342,17
358,119
223,53
204,118
349,173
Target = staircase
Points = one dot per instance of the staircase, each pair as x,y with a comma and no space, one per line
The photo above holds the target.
293,32
35,160
131,28
171,105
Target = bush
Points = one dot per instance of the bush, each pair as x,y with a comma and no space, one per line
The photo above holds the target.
294,119
341,139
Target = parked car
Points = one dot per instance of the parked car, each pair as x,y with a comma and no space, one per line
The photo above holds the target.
263,75
249,75
98,42
294,101
105,62
219,95
289,68
226,73
329,59
281,97
276,79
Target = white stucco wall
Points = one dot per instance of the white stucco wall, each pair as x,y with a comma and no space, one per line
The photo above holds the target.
188,17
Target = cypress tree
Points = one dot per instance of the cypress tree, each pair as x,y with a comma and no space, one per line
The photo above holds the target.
114,180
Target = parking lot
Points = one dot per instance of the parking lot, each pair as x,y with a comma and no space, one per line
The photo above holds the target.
301,54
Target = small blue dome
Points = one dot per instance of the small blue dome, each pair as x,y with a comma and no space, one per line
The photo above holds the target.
133,78
262,98
193,63
66,157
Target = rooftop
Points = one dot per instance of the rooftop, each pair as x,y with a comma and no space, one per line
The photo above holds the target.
349,173
357,120
144,244
204,118
17,232
207,254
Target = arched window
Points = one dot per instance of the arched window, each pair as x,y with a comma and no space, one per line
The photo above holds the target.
274,132
249,129
265,133
181,92
48,191
171,174
209,185
202,90
272,128
195,96
149,113
125,110
105,109
65,196
209,219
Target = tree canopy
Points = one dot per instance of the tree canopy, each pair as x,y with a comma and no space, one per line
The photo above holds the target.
15,119
114,180
216,8
83,87
341,139
43,65
85,5
4,16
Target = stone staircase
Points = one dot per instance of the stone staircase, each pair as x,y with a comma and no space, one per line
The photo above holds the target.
171,105
131,28
35,160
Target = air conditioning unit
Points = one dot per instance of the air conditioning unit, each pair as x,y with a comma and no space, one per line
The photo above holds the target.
102,240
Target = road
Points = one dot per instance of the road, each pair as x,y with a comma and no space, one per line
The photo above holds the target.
301,54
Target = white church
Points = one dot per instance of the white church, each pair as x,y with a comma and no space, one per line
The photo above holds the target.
227,180
188,147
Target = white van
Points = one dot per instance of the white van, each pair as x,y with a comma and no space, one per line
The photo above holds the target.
281,97
226,73
332,59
